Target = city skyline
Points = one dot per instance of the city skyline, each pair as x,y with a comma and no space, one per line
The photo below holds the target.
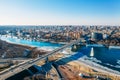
60,12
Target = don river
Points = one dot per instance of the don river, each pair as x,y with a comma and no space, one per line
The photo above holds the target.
108,57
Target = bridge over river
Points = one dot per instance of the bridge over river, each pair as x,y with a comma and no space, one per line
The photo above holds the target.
22,66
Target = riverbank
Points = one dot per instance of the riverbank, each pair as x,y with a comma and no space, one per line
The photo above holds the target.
85,61
84,66
45,45
10,50
13,50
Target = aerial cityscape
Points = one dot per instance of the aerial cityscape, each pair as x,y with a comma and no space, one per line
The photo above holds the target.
59,40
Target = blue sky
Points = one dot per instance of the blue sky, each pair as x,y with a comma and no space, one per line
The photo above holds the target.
59,12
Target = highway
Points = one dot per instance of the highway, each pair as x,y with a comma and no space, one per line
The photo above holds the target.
20,67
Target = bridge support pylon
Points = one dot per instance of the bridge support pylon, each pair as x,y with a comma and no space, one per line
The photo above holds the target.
46,60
